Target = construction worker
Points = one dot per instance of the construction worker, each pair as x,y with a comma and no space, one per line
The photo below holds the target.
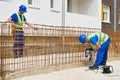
17,20
99,42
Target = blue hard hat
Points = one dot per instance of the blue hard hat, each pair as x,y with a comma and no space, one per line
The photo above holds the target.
82,38
23,8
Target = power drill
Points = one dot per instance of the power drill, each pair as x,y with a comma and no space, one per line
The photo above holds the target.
89,51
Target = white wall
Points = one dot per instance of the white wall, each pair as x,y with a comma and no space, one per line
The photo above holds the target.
45,15
89,14
93,8
82,21
9,7
86,7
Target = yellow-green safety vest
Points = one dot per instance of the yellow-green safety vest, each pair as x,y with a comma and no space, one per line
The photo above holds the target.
102,37
19,25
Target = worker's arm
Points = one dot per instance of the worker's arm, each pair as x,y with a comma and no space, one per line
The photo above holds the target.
30,25
9,19
97,47
12,23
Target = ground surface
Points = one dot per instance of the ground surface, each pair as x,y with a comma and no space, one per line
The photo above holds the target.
81,73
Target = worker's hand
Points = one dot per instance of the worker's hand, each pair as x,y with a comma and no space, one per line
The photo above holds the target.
12,24
89,51
35,28
32,26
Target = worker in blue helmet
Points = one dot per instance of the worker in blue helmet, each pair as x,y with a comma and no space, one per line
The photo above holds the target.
23,8
99,42
17,20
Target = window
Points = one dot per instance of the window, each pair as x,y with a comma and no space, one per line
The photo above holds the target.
69,5
105,16
51,4
55,4
34,3
30,2
106,13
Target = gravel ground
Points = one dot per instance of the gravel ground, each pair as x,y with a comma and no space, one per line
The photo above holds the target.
81,73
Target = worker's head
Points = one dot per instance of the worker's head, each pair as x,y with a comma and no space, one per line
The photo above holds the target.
23,8
82,38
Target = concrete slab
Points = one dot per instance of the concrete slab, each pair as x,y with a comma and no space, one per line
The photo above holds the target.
81,73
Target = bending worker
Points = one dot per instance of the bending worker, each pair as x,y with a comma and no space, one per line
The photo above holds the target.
17,20
99,42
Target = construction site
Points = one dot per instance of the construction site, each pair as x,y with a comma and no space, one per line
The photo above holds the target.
60,40
47,49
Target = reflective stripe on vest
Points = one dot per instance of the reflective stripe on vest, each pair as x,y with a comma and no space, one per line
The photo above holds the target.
102,37
19,25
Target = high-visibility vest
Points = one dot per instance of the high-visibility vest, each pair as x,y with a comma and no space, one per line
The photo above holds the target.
102,37
19,24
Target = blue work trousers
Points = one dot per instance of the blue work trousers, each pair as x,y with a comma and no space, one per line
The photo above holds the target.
102,54
18,43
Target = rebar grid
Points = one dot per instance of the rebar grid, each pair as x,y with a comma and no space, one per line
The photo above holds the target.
47,46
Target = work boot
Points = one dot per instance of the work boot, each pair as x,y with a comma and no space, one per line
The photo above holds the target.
93,67
102,64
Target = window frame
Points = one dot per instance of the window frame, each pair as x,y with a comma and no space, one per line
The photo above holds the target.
106,14
33,4
55,7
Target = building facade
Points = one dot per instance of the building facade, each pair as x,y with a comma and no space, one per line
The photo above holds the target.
77,13
110,15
